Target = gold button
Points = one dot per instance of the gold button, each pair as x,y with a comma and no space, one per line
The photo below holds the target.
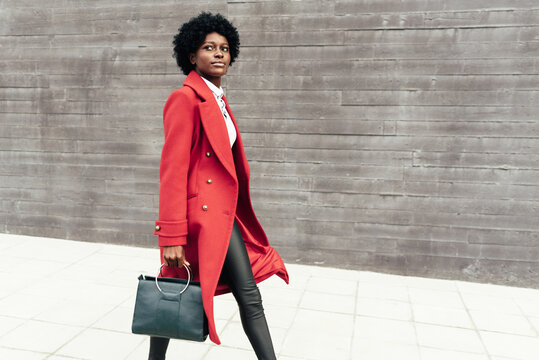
208,154
157,227
205,207
208,181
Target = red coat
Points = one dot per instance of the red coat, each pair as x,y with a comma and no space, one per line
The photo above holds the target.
198,213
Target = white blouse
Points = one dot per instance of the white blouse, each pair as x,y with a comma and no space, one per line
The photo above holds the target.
218,94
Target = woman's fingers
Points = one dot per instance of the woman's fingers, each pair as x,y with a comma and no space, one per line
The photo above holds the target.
170,261
174,256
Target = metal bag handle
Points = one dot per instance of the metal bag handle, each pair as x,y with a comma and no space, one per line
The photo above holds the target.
186,285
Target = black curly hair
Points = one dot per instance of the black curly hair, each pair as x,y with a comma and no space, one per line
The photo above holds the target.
192,34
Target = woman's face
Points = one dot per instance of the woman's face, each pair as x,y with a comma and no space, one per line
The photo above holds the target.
212,58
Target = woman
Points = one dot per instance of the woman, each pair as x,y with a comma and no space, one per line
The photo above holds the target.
206,219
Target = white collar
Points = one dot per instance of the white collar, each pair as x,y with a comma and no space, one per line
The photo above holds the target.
217,91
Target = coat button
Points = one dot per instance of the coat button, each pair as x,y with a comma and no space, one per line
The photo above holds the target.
208,154
205,207
157,228
209,181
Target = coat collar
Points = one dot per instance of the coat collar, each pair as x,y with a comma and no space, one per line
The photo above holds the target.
213,122
195,82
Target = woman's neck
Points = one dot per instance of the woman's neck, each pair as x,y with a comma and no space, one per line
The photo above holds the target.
215,80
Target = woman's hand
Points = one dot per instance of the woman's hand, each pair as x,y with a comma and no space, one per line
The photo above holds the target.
174,256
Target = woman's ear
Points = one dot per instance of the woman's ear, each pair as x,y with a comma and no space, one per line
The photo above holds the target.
192,58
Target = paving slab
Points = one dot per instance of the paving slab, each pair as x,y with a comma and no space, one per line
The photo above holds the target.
65,299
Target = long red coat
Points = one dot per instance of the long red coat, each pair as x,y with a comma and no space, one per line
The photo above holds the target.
204,186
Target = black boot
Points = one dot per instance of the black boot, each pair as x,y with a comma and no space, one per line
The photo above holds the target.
158,348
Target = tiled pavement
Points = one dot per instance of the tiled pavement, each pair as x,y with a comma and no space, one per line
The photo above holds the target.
73,300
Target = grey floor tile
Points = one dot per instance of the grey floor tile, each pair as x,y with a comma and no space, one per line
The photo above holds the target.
94,344
384,330
504,323
8,324
511,346
324,313
328,302
383,291
332,286
449,338
504,305
368,349
16,354
438,315
437,354
39,336
390,309
432,297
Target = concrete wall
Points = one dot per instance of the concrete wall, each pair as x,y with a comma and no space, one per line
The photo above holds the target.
385,135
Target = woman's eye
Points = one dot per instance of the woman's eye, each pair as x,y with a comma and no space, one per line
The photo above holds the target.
208,47
225,49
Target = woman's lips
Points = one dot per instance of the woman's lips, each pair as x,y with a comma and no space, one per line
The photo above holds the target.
218,64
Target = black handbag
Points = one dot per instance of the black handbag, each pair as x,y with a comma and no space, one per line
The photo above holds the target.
170,308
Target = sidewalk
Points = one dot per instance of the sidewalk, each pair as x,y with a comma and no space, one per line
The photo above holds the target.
73,300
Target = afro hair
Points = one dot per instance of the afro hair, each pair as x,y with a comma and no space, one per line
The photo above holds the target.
192,34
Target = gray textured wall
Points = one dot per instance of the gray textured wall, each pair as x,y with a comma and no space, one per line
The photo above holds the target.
385,135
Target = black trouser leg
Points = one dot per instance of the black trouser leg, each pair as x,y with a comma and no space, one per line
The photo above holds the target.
158,348
238,274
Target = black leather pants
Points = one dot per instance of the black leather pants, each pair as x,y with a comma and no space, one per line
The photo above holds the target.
238,275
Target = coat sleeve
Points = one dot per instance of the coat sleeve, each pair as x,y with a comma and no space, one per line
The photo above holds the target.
178,123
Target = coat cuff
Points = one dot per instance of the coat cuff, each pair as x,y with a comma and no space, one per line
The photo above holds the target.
171,233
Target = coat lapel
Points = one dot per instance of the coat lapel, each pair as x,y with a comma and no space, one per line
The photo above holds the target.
212,122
